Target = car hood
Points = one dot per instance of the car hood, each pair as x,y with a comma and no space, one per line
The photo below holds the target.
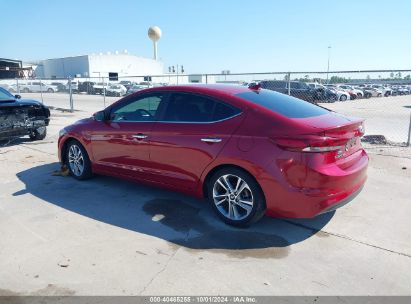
20,102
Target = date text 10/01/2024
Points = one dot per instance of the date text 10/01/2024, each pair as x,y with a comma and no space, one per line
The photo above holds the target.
203,299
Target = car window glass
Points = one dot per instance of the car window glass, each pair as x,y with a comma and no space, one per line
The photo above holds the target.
223,111
189,108
294,85
283,104
141,109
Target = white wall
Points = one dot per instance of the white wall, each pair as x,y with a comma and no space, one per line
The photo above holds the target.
124,65
99,66
64,67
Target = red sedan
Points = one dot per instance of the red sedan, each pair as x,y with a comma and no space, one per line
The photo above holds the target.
249,151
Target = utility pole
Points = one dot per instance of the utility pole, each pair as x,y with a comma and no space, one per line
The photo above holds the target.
328,61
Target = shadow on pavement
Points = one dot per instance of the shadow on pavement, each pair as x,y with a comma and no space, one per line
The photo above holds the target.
179,219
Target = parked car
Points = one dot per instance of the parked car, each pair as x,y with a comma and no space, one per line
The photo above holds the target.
36,86
297,89
127,84
74,86
6,86
250,151
116,90
19,117
356,93
323,94
100,87
60,86
135,88
341,95
86,86
386,91
372,92
403,90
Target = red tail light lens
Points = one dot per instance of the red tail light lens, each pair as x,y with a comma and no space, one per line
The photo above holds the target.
311,143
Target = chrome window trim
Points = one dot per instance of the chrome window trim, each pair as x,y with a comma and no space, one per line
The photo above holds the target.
181,122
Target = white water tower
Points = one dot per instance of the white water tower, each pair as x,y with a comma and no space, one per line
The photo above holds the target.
154,33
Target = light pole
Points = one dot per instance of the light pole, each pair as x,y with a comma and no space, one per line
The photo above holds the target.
328,62
172,70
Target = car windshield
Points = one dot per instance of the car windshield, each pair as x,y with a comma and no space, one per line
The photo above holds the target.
283,104
5,95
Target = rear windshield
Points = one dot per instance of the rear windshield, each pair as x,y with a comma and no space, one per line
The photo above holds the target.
283,104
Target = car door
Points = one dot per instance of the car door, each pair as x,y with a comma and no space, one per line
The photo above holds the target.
120,145
190,134
35,86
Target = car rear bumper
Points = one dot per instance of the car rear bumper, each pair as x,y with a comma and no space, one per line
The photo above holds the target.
303,192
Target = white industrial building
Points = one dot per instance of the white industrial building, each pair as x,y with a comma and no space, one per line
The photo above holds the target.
100,65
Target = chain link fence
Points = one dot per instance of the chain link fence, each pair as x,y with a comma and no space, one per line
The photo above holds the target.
381,97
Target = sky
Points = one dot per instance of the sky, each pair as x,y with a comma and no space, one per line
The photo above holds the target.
209,36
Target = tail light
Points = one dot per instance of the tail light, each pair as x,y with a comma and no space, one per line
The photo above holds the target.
311,143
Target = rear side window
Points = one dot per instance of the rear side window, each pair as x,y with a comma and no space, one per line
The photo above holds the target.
186,107
283,104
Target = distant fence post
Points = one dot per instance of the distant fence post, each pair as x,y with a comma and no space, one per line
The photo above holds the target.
41,91
104,93
409,132
71,95
206,78
17,86
289,82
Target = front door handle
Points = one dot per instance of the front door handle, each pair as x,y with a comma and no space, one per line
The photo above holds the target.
139,136
211,140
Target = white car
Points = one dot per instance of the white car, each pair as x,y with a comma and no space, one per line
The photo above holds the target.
74,86
36,86
372,92
348,88
341,94
386,91
116,90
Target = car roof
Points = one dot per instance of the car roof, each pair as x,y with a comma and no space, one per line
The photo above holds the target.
210,89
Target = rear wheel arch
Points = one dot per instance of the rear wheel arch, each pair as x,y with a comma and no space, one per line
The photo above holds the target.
220,167
257,198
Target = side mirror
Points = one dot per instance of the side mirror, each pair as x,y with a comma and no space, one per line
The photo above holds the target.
99,116
17,96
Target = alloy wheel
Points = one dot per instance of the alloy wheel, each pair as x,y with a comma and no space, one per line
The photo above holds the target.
233,197
76,160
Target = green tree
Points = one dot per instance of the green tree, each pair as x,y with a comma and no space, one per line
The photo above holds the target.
338,79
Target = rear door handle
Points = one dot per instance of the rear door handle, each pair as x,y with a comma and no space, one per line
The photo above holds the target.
139,136
211,140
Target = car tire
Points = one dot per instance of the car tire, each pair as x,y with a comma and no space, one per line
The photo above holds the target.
78,161
343,98
230,204
379,95
38,134
50,90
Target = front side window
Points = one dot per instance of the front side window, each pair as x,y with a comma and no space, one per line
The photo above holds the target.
138,110
185,107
